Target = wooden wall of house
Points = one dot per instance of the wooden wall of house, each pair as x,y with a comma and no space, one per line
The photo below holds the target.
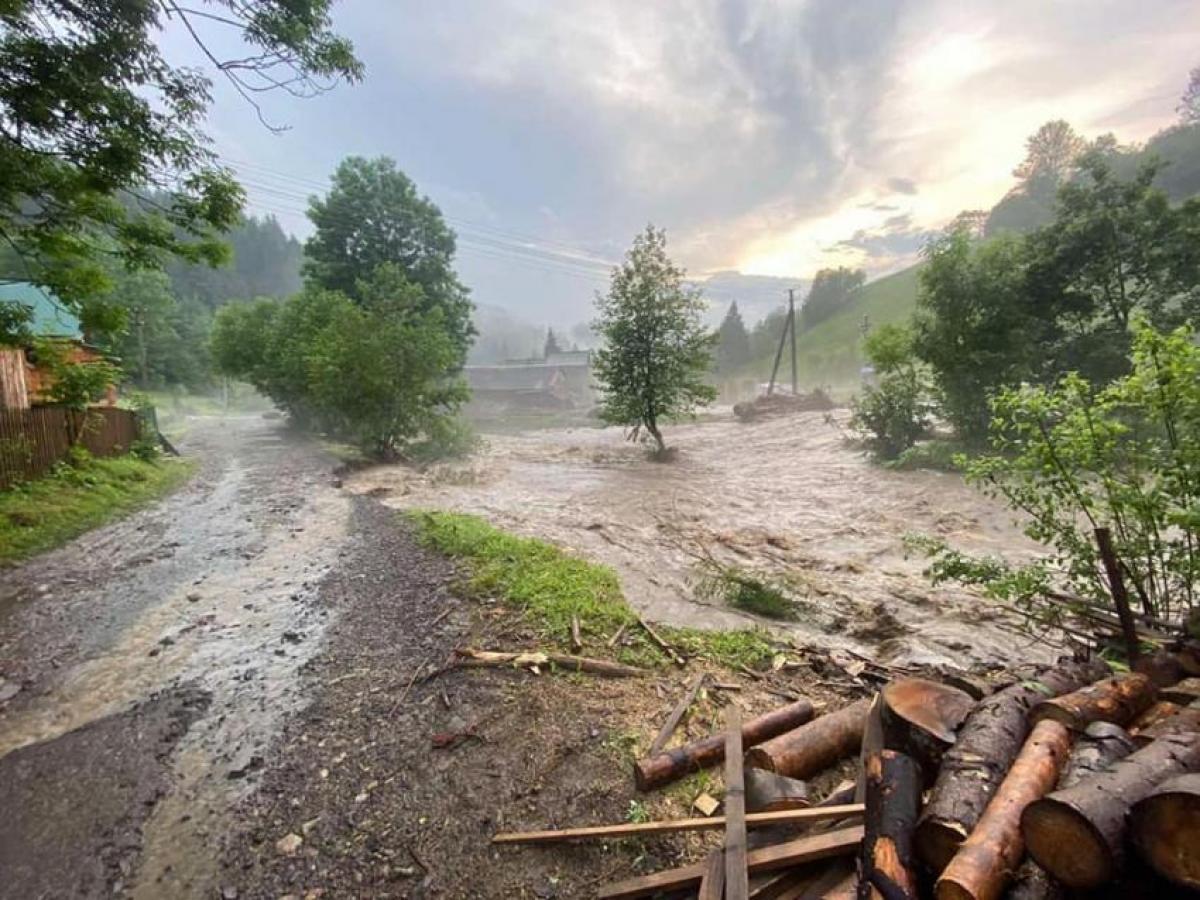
14,388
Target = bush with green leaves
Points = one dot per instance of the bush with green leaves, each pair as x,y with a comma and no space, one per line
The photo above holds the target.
1072,457
381,372
894,413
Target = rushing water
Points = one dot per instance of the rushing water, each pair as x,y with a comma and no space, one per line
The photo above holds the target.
783,496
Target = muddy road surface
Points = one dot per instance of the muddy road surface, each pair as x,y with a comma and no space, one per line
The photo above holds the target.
148,665
783,497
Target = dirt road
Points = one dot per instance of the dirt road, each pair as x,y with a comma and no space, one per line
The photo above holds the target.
223,696
156,659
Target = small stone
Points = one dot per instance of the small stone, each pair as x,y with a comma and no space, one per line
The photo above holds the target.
288,845
706,804
193,597
229,892
8,690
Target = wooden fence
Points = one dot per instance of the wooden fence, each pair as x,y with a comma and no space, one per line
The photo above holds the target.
33,440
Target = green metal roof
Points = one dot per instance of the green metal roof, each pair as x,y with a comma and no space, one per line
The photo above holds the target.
50,316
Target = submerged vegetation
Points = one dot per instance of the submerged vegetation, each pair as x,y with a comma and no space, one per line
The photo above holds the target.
551,587
50,511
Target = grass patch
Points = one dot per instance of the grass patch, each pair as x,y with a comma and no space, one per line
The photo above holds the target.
550,586
42,514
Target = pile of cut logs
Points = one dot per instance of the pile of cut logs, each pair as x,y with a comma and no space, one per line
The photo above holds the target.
1073,780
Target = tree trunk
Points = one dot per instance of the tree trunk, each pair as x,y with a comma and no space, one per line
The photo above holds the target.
1101,745
1077,834
766,792
1117,700
652,427
1183,693
814,747
1186,721
987,743
677,762
1152,715
920,717
887,865
991,853
1165,825
1033,883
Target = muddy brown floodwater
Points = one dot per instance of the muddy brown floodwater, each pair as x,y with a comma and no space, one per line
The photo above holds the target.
120,640
784,496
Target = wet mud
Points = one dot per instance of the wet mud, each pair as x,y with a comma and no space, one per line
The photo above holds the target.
787,496
212,590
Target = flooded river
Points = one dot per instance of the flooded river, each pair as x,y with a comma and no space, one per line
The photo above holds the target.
786,496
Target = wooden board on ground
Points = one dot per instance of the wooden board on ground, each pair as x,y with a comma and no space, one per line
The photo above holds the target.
737,878
677,714
629,829
842,842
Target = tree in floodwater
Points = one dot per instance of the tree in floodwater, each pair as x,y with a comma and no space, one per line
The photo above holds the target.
656,350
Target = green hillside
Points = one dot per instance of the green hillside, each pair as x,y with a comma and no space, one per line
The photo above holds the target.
831,353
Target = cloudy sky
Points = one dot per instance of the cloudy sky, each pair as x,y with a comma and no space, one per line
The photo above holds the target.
769,137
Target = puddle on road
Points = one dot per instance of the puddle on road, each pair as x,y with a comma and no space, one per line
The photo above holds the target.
784,495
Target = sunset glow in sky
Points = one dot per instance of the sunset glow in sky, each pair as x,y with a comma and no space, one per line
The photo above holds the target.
766,136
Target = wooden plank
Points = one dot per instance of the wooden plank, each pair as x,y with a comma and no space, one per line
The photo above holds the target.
766,859
712,823
677,714
712,885
737,878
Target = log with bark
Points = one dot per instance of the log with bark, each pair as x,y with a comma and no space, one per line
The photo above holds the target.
768,791
1186,721
887,864
1077,834
1152,715
805,751
1118,700
1165,826
1162,667
1183,693
987,743
981,868
919,718
655,771
1101,745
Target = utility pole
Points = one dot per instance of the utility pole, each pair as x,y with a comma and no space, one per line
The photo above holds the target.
792,325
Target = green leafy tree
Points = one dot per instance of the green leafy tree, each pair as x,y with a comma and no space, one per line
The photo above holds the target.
1072,457
265,262
1189,103
893,414
374,216
383,370
1116,247
733,341
656,350
830,290
1051,153
975,326
103,152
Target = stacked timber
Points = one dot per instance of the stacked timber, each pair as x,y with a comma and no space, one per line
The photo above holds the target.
1066,781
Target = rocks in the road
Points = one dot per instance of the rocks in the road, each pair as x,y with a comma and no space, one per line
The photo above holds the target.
193,597
289,844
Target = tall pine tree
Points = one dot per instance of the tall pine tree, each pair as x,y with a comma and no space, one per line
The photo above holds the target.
733,341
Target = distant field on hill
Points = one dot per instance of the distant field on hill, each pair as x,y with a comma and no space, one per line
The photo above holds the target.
830,354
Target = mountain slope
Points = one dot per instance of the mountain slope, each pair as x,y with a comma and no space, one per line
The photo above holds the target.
830,354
